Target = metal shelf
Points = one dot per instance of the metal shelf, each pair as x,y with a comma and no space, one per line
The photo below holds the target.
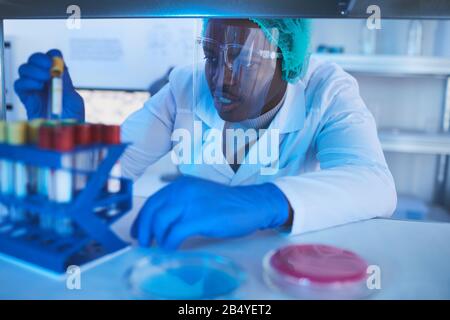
415,9
19,9
390,65
415,142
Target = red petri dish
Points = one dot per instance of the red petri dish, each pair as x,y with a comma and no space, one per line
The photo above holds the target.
317,271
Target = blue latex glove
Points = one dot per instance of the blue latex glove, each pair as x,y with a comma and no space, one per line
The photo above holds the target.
32,87
195,207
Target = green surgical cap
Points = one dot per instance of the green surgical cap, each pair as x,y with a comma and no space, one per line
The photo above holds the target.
293,40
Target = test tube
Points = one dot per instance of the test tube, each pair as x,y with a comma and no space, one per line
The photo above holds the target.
33,139
62,179
72,123
17,135
83,158
7,177
45,174
98,154
111,135
97,138
5,173
56,88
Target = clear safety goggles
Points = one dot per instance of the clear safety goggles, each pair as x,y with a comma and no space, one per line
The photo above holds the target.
234,70
234,55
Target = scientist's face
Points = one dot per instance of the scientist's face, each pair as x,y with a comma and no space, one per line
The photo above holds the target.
242,83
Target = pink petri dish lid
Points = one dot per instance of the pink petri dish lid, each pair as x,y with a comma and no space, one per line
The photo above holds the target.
321,264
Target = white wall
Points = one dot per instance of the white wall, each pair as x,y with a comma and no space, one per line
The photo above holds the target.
121,53
105,53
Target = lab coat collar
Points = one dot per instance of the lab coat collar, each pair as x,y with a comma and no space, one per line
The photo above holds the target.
290,118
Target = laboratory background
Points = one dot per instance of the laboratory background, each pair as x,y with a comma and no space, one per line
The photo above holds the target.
402,71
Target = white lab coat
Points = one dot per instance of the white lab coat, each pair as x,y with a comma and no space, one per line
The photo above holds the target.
331,165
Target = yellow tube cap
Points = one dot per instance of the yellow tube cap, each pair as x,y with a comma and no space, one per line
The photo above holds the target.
16,132
2,131
33,130
57,67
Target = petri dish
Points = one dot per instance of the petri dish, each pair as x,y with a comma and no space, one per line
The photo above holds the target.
316,271
184,276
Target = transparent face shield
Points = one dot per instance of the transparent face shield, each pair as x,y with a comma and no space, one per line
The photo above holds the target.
237,70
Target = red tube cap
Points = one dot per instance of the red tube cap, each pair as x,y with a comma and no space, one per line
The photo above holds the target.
63,138
97,133
45,137
83,134
111,134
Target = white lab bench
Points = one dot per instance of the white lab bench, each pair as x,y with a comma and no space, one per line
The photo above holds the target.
414,258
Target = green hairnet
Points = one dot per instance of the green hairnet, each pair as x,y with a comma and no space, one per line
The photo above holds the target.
293,40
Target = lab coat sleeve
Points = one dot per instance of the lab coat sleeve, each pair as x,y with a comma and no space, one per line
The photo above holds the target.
149,132
354,182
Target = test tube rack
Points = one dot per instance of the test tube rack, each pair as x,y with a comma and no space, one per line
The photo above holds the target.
92,237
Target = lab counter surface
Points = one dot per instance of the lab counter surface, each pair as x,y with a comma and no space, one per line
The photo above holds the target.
414,260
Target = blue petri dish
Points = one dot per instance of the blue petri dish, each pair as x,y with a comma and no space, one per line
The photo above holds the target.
186,275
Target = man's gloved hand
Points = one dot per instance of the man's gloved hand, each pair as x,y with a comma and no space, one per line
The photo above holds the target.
195,207
32,87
